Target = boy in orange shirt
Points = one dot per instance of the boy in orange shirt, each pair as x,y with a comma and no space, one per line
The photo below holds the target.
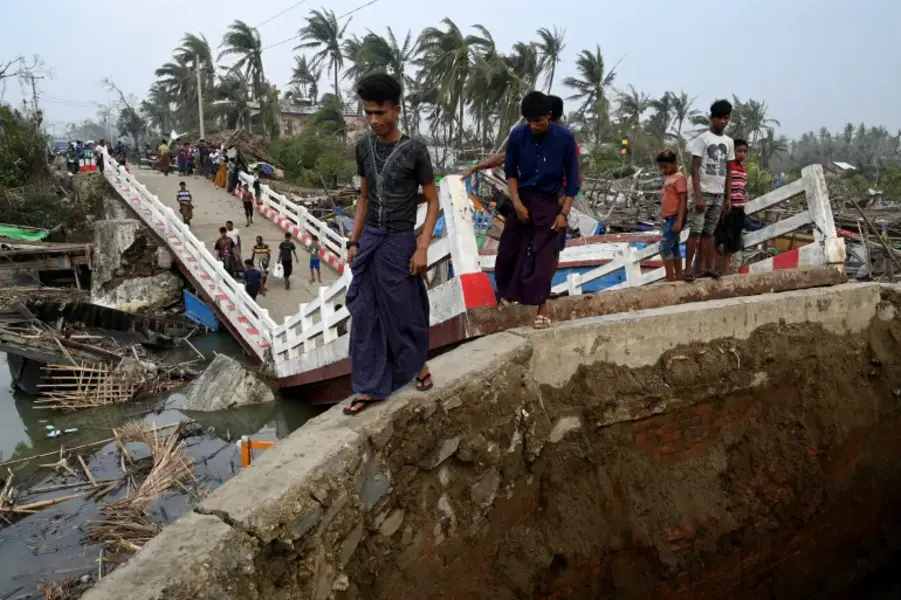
672,212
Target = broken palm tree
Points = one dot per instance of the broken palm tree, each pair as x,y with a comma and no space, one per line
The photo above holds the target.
126,524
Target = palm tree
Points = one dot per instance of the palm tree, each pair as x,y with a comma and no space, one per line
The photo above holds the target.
195,53
659,123
302,77
632,106
749,120
157,108
550,47
769,146
323,33
179,82
376,53
243,42
682,113
446,59
591,86
232,93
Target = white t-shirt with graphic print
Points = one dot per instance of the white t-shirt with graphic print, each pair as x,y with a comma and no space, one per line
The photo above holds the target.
715,151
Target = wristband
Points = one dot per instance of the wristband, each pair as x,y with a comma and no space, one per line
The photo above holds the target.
351,244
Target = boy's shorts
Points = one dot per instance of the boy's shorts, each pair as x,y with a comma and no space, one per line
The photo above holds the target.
669,243
314,263
705,223
730,229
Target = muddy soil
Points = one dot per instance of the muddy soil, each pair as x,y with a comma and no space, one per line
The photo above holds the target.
771,467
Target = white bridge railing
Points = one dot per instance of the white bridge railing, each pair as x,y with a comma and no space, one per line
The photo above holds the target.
288,214
247,319
310,339
314,337
827,247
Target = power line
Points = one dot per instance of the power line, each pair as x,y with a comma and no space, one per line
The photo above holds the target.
69,102
347,14
269,20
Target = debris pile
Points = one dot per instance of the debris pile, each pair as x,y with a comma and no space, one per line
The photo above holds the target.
87,367
251,148
126,524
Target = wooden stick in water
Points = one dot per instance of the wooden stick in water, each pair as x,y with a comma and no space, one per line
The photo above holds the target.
87,471
34,506
82,447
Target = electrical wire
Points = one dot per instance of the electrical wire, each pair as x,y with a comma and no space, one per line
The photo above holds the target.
270,19
347,14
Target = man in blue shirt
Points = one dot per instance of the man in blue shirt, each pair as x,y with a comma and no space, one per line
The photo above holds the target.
541,164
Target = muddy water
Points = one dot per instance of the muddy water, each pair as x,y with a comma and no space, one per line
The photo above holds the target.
50,545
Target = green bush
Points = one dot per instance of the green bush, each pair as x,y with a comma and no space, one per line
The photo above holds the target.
23,150
313,154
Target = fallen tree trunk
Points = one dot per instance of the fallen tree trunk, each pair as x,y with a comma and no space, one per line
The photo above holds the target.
485,321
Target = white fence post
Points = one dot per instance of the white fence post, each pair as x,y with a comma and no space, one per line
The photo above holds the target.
326,310
457,208
306,322
821,212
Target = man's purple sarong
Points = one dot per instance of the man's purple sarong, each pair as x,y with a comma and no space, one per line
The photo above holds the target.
526,254
389,309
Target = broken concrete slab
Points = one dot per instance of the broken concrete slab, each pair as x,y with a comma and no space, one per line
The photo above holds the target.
200,558
128,271
224,384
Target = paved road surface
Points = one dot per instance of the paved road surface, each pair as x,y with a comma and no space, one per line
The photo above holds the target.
212,208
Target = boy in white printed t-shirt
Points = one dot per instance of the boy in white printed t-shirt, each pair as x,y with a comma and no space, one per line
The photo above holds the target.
711,152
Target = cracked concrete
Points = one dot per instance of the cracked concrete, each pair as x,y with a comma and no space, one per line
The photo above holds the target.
394,502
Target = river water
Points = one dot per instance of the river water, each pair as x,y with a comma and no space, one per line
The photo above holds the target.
50,544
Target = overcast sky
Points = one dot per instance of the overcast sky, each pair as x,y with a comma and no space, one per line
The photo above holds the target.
815,62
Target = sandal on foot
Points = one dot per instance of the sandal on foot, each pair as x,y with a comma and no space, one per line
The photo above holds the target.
690,277
360,404
424,384
503,304
716,273
541,322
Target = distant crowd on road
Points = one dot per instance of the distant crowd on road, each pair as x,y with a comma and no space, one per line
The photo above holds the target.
221,167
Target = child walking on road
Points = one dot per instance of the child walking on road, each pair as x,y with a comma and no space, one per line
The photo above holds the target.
254,282
247,201
315,272
185,203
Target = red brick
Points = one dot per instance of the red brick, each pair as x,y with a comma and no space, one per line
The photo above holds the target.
639,436
703,409
672,436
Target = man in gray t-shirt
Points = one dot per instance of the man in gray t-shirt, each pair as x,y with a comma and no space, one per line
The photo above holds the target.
711,153
400,166
387,298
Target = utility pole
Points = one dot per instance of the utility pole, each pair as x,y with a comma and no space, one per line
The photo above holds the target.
200,100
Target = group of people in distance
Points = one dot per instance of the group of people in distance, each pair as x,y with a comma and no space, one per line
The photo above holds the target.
255,269
716,218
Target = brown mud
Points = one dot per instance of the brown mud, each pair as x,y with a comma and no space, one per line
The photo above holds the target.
766,467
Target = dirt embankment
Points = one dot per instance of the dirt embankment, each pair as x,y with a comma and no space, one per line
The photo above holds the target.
771,467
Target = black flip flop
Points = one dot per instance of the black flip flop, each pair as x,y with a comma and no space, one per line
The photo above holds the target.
424,384
363,403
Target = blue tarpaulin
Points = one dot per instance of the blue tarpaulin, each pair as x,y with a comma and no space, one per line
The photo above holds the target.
200,312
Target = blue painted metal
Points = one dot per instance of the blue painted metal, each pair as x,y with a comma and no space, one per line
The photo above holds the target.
200,312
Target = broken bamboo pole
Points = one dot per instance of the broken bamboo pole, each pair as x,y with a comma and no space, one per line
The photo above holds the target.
35,506
83,446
